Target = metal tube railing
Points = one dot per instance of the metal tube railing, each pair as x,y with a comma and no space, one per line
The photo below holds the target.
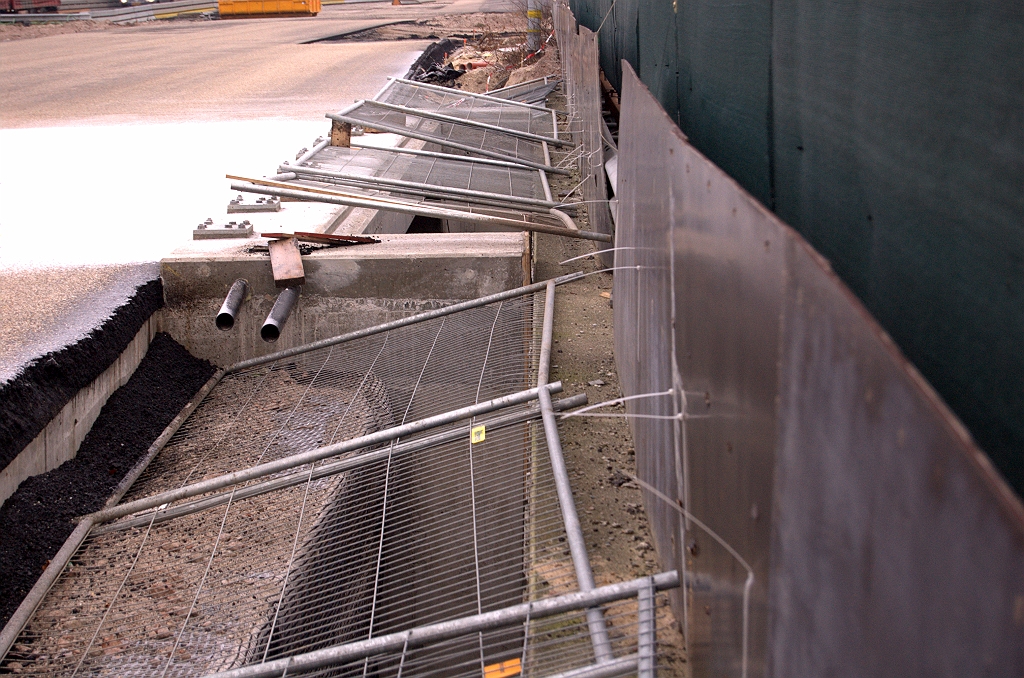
616,667
295,460
570,519
314,195
385,181
334,468
441,631
646,631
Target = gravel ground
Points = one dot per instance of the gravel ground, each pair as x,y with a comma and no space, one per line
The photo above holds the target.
35,520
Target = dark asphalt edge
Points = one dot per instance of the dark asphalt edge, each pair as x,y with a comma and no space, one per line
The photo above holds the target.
30,400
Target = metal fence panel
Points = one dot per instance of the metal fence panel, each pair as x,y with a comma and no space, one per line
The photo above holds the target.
880,540
579,52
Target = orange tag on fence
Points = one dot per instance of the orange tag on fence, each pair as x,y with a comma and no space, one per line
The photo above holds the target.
503,669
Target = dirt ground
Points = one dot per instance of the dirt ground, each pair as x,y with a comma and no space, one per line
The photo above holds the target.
9,32
499,38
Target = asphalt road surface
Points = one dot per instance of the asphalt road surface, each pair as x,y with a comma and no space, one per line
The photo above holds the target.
114,144
191,70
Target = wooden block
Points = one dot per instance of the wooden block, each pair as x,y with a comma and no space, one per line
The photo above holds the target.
341,133
286,262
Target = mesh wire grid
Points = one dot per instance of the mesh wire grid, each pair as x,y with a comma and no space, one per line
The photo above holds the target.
544,648
457,104
533,92
449,531
443,133
440,172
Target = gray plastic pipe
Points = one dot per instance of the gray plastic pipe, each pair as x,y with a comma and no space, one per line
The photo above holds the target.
232,304
271,329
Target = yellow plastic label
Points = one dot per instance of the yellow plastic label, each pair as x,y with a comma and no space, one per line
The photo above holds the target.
533,14
478,435
503,669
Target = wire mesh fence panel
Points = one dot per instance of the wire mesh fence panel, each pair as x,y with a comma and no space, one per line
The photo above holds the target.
336,393
448,134
447,531
532,92
429,171
459,104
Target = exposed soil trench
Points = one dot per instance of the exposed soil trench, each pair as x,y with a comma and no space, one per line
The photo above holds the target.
37,519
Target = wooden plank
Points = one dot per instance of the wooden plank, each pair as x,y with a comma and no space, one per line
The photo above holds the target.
610,95
286,262
341,133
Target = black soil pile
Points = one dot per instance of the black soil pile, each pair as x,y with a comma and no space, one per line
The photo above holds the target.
34,397
36,520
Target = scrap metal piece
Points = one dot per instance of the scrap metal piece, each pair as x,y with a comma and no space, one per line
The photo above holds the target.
262,204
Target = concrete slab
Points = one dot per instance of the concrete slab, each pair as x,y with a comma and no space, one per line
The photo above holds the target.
346,288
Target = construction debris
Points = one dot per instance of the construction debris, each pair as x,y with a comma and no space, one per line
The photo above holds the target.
207,231
286,262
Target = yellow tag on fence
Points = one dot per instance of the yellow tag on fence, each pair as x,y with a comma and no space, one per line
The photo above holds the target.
478,434
503,669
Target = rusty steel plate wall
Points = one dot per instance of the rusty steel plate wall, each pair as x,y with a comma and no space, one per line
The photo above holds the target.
825,478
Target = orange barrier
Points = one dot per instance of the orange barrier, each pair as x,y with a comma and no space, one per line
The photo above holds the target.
250,8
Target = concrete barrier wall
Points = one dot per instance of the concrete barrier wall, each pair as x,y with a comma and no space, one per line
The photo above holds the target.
61,438
346,288
879,539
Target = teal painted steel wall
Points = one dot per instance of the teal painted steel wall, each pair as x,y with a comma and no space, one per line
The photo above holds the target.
891,135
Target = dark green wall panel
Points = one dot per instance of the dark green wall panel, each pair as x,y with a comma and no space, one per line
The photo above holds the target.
899,154
891,135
